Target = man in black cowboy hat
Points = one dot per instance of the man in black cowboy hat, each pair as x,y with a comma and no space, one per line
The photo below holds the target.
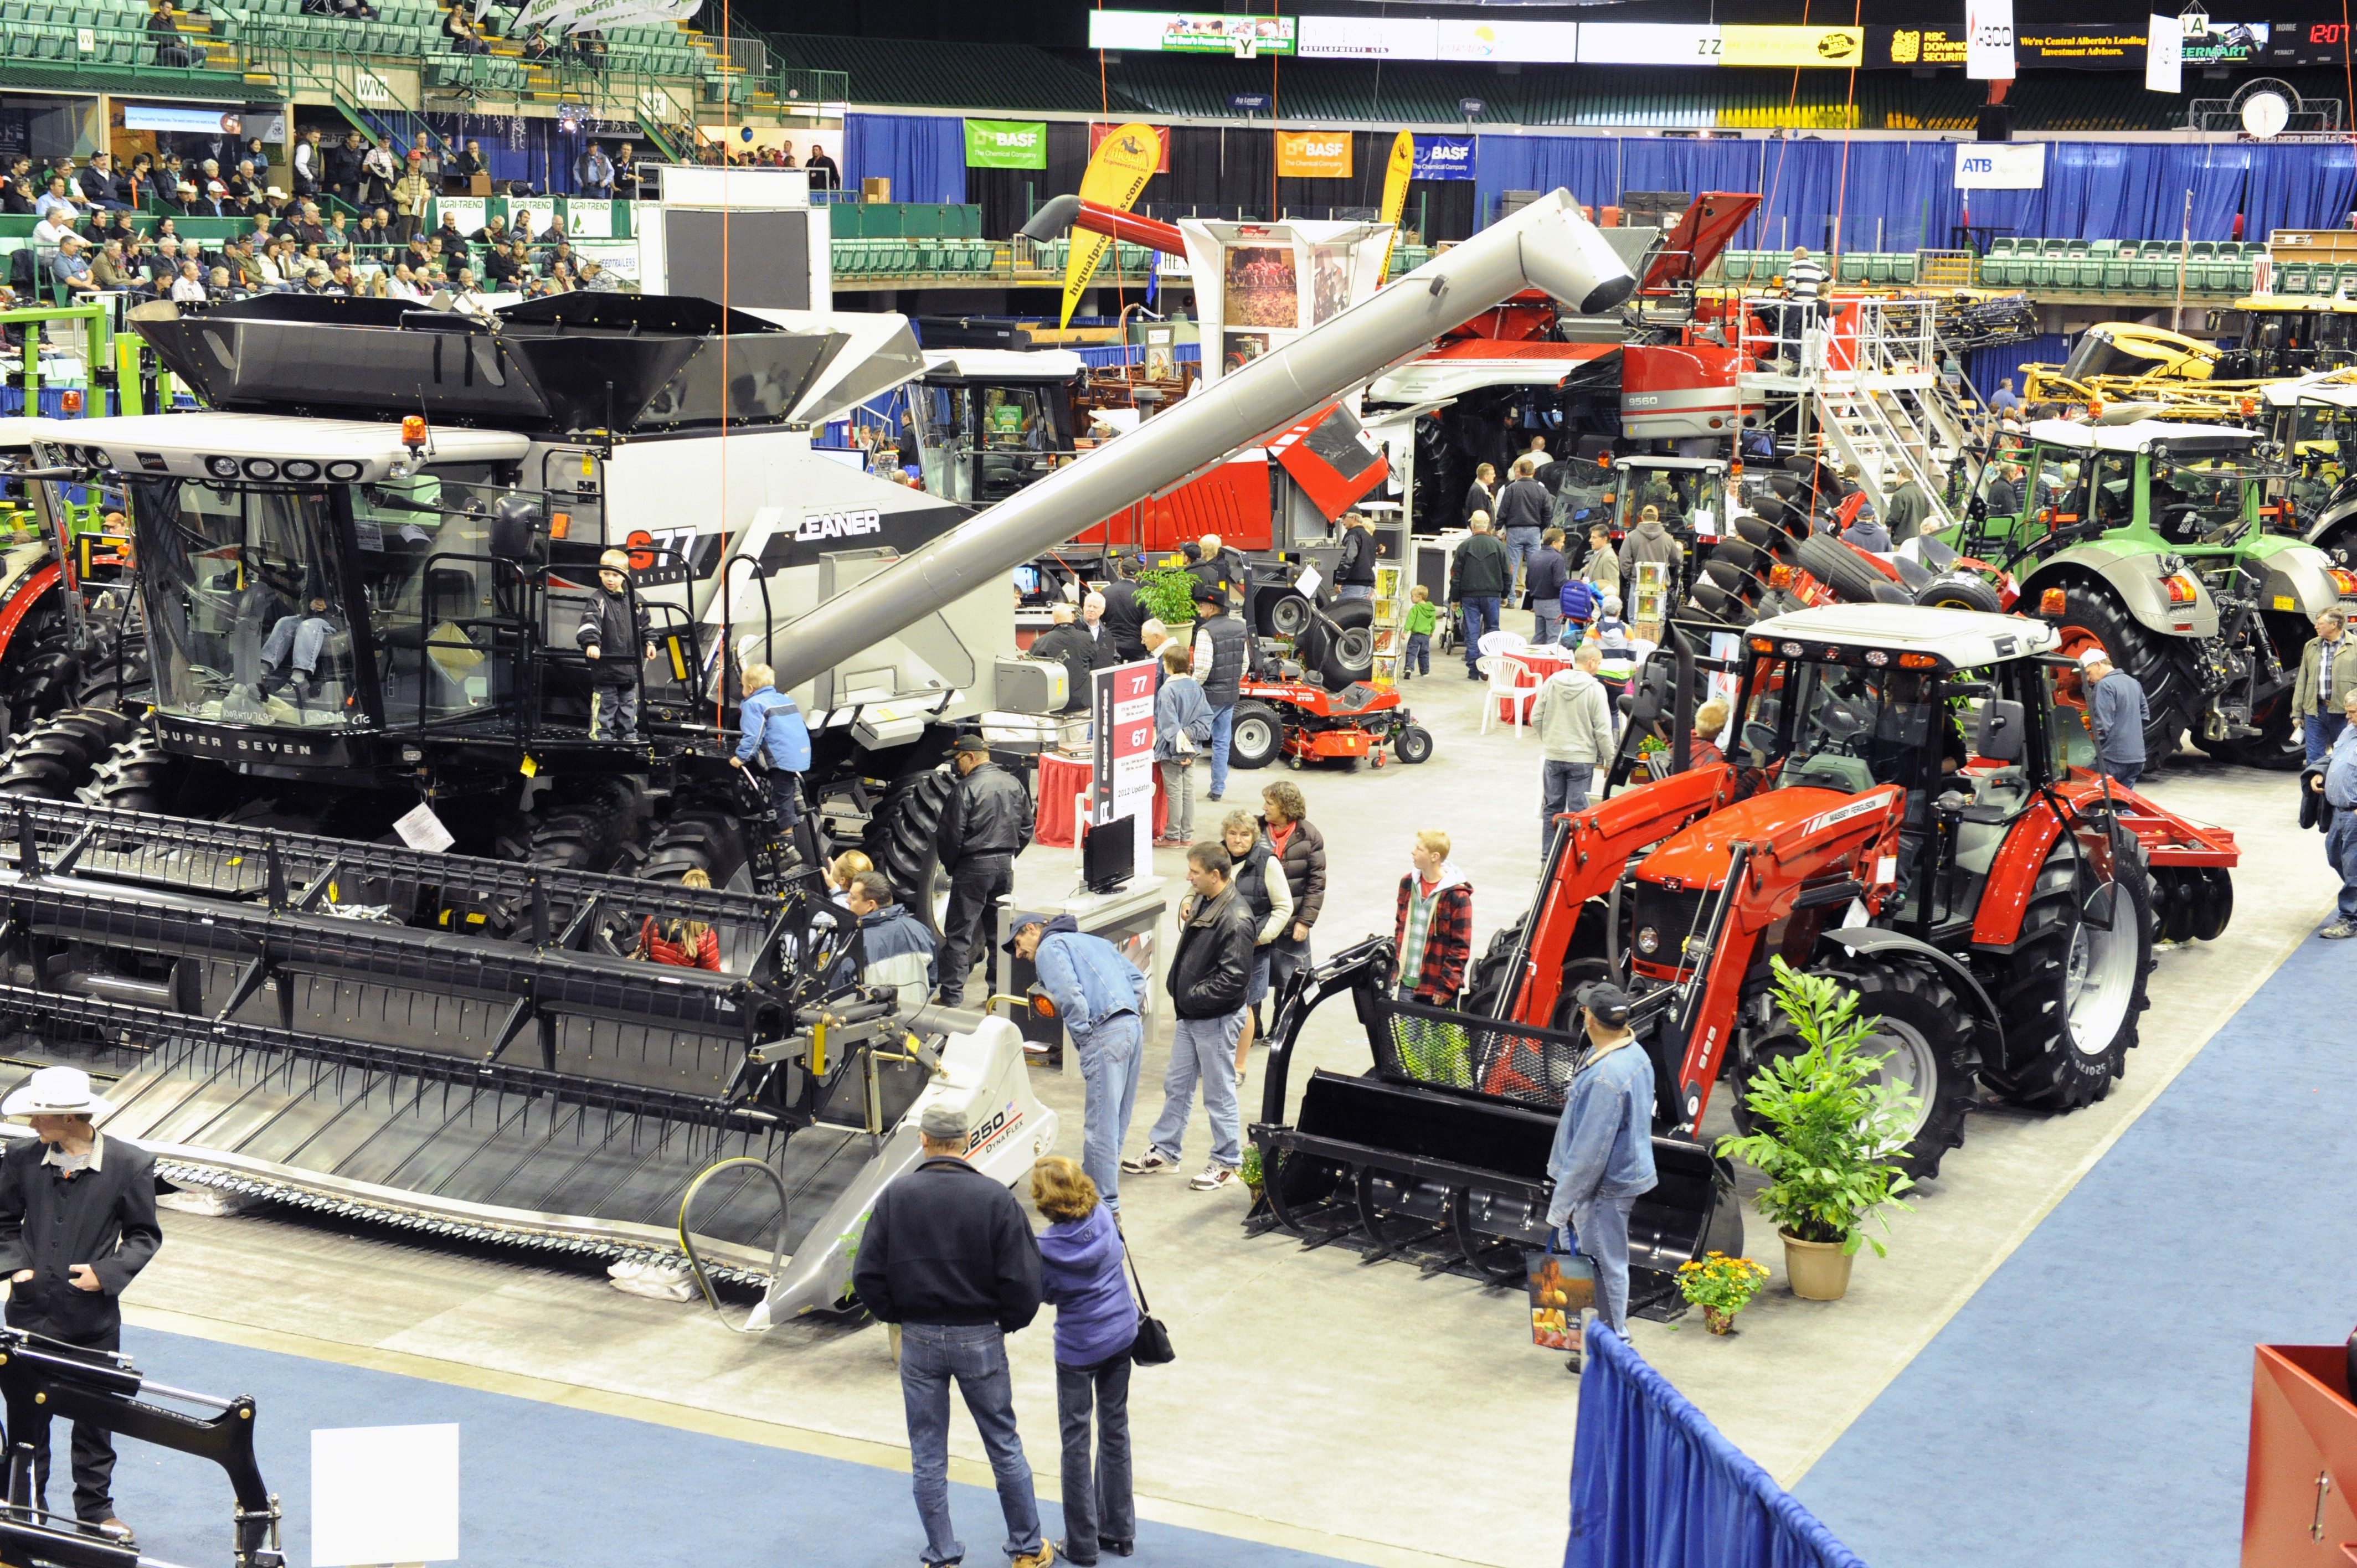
986,822
1603,1155
77,1222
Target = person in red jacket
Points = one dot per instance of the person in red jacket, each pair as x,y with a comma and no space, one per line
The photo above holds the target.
689,944
1434,938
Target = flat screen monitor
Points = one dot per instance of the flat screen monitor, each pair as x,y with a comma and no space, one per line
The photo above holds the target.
1109,855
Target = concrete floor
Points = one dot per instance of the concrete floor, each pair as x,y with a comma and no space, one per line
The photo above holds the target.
1363,1411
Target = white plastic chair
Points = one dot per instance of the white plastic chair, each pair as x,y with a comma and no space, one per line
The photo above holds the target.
1503,641
1505,682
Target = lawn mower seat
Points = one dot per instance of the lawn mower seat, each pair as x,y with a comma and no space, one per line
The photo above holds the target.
1354,698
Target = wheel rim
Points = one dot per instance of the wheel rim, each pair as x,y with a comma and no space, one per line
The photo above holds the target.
2098,978
1355,650
1912,1065
1254,737
1288,615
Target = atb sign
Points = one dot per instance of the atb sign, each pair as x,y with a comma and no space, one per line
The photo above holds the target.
2000,166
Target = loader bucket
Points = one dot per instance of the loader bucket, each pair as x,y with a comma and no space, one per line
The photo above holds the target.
1441,1150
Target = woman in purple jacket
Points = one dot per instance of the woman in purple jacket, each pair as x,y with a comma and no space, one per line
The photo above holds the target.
1096,1320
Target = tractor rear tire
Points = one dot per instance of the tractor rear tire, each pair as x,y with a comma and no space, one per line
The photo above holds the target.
901,840
59,755
1959,594
2072,997
2091,613
1927,1025
1256,737
1840,568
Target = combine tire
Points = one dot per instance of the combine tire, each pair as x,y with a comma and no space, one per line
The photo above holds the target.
2092,614
1840,568
1923,1027
1959,594
137,776
37,670
2071,997
56,757
593,834
902,839
699,839
1256,736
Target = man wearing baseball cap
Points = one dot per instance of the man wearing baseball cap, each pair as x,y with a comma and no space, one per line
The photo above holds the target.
985,821
1603,1155
2116,712
948,1256
77,1222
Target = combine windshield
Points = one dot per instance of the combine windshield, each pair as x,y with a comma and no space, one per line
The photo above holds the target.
980,443
321,606
1682,497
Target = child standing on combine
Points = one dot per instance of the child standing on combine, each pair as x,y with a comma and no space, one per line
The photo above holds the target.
1422,620
611,625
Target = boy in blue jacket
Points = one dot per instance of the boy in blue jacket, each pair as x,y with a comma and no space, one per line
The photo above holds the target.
771,729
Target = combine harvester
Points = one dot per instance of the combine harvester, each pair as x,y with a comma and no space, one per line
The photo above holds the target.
1998,917
457,1041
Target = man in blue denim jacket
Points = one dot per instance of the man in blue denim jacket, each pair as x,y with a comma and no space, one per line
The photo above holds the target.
1101,997
771,728
1603,1155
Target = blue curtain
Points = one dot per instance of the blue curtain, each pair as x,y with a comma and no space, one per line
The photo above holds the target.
1653,1485
1987,369
923,155
1901,195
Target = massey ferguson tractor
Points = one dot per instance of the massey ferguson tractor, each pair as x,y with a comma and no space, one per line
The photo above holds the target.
1903,805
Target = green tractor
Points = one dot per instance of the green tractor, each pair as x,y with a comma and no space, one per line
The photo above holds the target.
2176,548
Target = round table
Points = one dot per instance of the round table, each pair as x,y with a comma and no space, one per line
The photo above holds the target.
1063,778
1538,660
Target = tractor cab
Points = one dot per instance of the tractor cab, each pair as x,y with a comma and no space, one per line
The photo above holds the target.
1689,494
2314,420
989,422
2289,334
2154,483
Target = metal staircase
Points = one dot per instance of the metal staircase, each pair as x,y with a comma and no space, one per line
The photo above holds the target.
1879,400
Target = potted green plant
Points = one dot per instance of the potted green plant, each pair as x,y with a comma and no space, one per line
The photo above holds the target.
1826,1135
1720,1285
1170,597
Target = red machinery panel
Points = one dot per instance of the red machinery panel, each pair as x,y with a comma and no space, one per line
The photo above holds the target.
1231,500
1331,458
2297,1499
1701,232
1677,390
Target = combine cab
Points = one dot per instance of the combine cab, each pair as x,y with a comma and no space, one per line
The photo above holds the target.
1902,812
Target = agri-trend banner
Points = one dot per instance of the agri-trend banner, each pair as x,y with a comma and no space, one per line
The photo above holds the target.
1006,144
575,16
1443,157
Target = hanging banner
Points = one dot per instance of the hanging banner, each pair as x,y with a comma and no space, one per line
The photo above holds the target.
1443,157
1988,40
2164,55
1006,144
2000,166
1313,154
1100,129
1397,174
1791,45
1116,177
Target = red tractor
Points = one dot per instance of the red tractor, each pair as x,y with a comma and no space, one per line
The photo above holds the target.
1900,810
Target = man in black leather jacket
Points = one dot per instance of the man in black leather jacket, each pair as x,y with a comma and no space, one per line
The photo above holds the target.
1208,971
986,822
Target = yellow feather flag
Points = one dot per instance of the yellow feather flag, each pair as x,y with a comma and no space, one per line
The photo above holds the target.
1396,179
1116,177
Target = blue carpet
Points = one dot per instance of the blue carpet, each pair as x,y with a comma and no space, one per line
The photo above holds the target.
544,1485
2091,1403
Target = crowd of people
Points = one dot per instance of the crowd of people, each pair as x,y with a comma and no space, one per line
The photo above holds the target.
88,239
826,174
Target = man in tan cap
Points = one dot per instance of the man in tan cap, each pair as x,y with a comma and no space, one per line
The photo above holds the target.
77,1223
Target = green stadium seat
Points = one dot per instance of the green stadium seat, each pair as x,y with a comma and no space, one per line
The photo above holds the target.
1853,267
2293,278
1903,266
1877,267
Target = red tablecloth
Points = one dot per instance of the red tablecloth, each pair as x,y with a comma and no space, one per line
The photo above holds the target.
1538,662
1062,778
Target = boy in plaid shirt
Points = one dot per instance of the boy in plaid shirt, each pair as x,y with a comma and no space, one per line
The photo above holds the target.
1433,939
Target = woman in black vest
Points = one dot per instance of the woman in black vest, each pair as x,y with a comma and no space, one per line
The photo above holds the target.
1259,881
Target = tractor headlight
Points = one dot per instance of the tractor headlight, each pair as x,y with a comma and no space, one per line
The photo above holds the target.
1648,941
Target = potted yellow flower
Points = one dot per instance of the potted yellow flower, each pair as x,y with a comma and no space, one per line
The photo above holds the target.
1720,1285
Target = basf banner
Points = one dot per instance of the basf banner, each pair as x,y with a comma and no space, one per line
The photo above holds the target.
1313,154
1006,144
2000,166
1443,157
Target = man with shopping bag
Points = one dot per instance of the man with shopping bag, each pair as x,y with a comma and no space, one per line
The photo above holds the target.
1603,1155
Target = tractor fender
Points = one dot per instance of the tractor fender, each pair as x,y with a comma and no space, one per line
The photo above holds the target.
18,597
2335,531
2135,576
2295,576
1876,941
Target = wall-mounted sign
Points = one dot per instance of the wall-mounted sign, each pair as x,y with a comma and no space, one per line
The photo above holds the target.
1843,47
1443,157
1914,46
1369,37
2090,48
2000,166
1006,144
1313,154
1191,32
1531,43
1099,130
1249,102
